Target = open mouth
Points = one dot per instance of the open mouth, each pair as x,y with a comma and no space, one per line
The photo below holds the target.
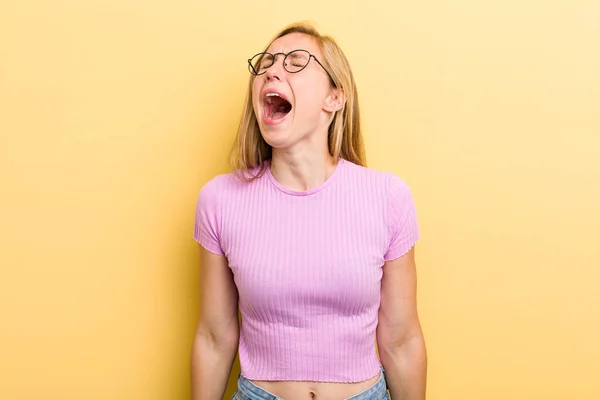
276,107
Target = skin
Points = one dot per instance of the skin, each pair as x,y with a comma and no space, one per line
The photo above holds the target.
300,162
301,158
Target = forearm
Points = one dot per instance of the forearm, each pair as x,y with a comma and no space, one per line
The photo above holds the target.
211,364
405,368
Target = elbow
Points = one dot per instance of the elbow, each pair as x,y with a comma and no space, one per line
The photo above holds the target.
408,345
411,354
216,342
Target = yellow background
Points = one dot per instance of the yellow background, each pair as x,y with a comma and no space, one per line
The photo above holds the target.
113,114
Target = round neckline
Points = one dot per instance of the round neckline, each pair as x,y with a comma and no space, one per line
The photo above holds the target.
308,192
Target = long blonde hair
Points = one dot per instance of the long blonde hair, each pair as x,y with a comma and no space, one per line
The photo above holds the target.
344,139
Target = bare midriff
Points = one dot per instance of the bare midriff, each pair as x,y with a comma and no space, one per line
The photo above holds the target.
300,390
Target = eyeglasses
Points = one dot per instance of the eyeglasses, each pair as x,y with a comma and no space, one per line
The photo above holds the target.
293,62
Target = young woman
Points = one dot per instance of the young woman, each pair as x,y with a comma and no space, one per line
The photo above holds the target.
315,249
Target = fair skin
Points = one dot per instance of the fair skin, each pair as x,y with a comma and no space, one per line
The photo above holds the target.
217,334
399,335
301,161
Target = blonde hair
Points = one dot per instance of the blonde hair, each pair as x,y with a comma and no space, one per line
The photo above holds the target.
344,139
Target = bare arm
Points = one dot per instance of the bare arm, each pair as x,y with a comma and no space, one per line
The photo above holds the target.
216,339
399,335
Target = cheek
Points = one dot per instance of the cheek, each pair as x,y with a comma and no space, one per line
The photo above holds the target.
308,94
255,95
308,102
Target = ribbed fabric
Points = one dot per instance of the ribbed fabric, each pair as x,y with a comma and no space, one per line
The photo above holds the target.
308,267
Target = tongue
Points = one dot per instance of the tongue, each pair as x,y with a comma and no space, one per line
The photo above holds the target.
279,108
279,112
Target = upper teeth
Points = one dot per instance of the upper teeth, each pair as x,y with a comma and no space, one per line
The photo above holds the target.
269,101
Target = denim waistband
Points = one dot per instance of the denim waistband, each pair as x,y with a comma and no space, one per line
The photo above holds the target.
249,391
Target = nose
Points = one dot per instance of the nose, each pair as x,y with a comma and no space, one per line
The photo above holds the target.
276,71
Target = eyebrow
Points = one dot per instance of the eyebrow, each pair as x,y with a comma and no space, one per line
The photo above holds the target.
298,55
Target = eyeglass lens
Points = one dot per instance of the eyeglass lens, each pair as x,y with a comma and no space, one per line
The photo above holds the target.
295,61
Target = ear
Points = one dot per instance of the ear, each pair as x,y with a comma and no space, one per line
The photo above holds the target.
335,100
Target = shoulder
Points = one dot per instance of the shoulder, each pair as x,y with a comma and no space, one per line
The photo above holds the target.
228,186
219,183
397,187
387,180
218,188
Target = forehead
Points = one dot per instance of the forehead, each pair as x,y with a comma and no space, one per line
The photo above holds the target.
294,41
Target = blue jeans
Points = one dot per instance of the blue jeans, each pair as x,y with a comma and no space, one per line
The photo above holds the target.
249,391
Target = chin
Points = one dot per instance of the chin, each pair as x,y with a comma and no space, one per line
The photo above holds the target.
276,139
276,132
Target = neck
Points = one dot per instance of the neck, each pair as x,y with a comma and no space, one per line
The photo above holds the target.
302,170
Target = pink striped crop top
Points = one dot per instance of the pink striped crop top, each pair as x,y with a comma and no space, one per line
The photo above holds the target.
308,267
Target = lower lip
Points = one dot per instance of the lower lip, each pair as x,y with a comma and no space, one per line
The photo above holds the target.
270,121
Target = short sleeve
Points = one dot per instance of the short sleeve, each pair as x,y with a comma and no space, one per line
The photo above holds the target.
402,222
208,218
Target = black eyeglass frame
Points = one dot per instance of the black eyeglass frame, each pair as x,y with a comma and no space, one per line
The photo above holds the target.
254,72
